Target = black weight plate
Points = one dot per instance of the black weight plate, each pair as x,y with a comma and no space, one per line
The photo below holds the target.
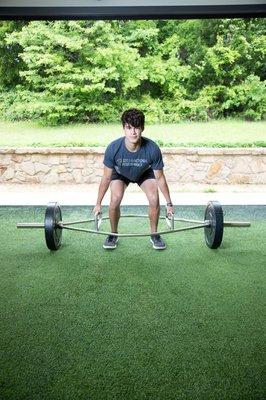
53,233
214,233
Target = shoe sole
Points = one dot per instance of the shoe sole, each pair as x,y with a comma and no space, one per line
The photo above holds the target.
157,248
109,247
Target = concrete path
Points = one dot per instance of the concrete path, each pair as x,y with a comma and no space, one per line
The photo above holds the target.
86,194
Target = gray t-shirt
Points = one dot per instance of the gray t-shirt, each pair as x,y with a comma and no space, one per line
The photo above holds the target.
130,164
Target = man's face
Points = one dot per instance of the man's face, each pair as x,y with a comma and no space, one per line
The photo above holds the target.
132,134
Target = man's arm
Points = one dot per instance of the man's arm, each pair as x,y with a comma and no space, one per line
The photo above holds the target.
163,186
103,187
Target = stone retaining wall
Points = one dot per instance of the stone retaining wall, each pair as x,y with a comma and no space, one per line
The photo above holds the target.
84,165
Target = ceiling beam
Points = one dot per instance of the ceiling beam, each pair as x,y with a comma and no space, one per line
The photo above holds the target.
136,12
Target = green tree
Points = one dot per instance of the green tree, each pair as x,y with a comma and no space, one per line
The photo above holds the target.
73,69
66,71
10,62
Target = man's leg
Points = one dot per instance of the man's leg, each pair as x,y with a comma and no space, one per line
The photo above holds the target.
150,187
117,187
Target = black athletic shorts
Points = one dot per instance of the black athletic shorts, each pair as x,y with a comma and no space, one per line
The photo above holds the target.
148,174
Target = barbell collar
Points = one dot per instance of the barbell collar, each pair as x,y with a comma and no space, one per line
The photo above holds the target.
30,225
236,224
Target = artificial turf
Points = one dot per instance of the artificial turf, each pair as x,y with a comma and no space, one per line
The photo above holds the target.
133,323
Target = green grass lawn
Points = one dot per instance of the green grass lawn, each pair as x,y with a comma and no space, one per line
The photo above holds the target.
133,323
214,133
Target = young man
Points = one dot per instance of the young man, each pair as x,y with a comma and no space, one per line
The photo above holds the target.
136,159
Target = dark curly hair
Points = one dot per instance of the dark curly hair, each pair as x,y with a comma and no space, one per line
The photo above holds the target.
133,117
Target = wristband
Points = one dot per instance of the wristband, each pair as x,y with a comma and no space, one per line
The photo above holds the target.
169,204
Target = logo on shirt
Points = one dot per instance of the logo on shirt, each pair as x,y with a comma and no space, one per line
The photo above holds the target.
129,162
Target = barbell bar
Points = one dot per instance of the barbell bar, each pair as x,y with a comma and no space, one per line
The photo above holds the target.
227,224
213,225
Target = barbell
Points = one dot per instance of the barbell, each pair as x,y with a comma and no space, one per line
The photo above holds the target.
213,225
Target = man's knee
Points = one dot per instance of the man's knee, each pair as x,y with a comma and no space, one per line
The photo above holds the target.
117,193
153,199
116,200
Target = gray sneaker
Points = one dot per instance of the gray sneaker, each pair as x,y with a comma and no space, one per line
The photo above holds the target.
110,242
157,242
